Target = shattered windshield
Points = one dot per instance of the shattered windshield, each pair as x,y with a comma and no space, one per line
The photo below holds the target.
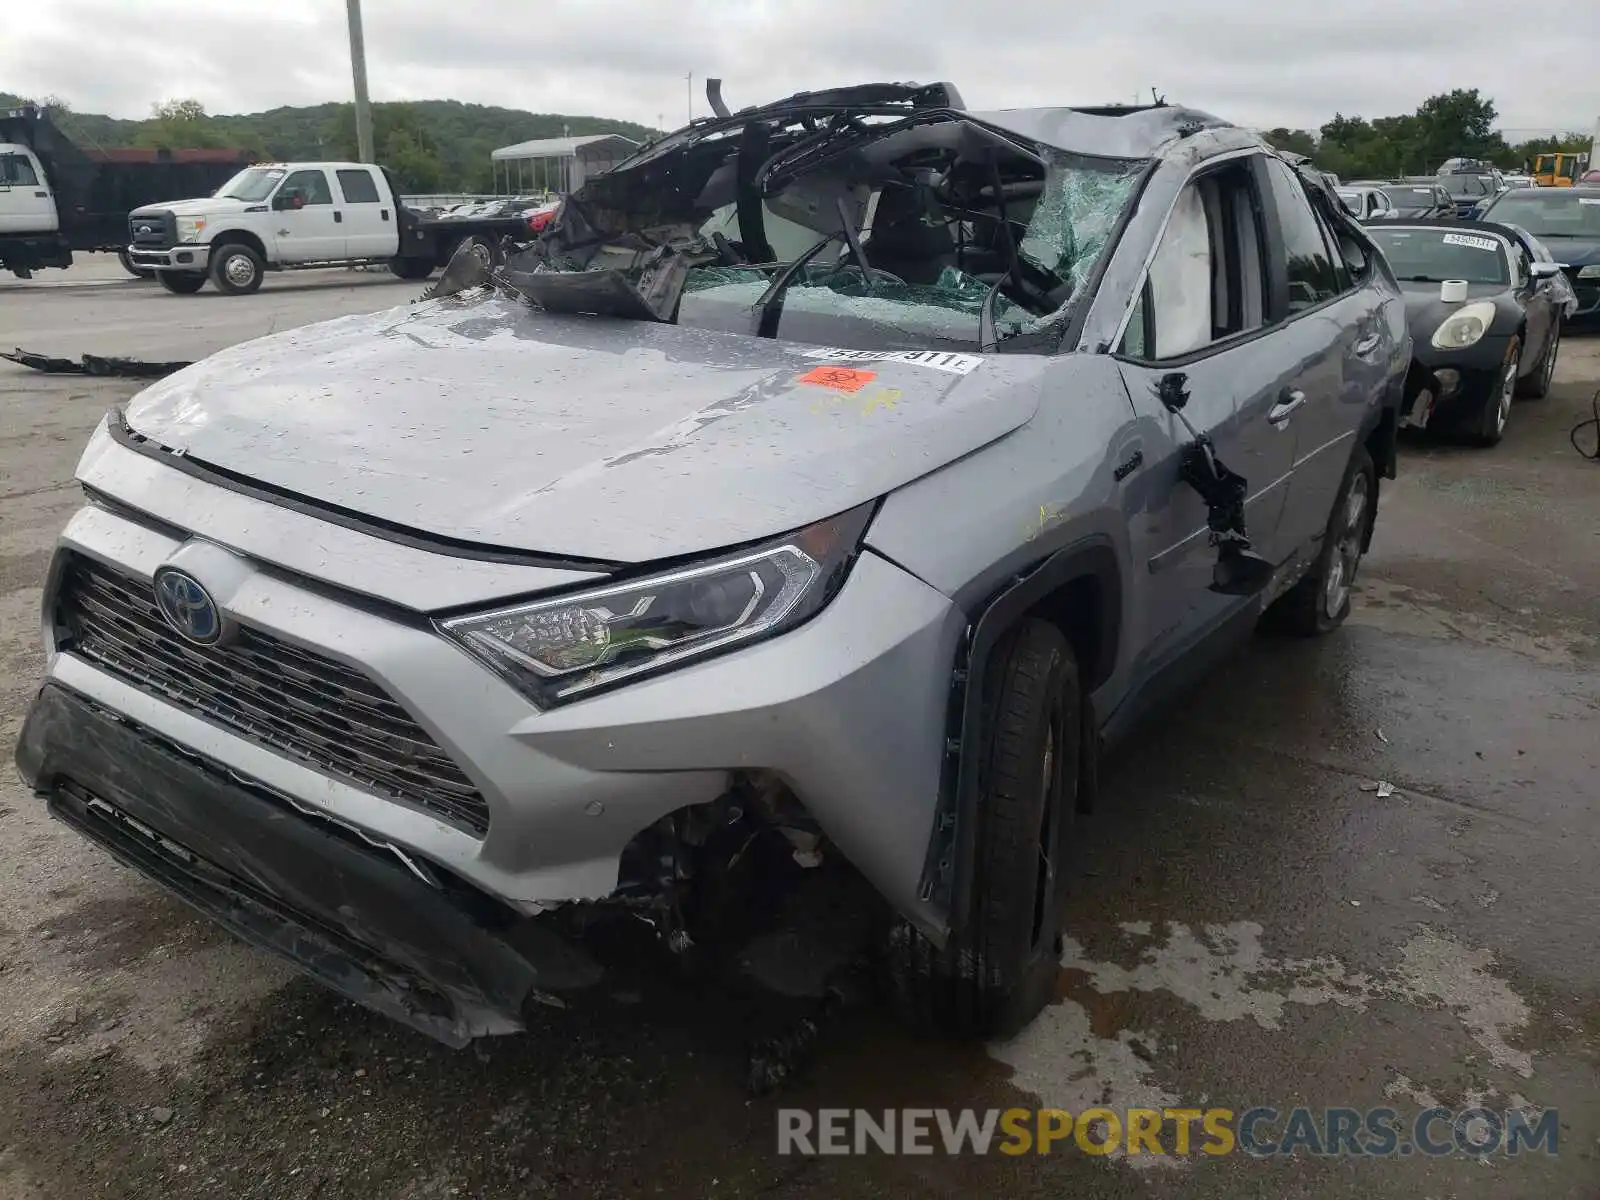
934,232
252,184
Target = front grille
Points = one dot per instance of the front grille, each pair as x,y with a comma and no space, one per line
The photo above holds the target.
300,703
163,228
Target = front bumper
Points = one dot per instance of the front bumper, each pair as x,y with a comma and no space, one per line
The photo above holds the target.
1448,386
849,710
171,258
351,918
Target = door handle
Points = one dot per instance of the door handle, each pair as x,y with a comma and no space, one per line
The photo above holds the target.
384,213
338,217
1288,400
1367,344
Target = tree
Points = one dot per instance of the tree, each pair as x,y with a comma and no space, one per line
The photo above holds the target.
400,141
1294,141
1460,124
179,125
178,110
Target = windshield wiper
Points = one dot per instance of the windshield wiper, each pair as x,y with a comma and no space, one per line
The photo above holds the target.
768,310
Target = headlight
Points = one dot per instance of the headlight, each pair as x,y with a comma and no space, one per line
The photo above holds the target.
559,649
1464,327
189,228
1592,271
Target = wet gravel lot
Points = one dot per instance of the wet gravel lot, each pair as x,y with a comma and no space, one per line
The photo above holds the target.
1256,922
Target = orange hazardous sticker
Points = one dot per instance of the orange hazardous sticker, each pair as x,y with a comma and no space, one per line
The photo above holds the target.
840,379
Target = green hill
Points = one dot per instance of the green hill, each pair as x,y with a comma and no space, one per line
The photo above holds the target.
432,145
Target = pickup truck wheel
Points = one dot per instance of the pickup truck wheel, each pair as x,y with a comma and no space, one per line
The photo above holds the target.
181,283
480,247
126,260
1320,602
994,976
236,269
410,268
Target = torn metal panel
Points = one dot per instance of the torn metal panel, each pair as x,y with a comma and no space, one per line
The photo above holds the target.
94,364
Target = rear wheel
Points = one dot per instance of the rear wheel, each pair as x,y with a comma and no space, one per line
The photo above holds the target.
994,976
411,268
1537,385
137,272
1321,600
1496,412
182,283
236,269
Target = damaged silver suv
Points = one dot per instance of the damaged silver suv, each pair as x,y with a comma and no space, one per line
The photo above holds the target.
803,511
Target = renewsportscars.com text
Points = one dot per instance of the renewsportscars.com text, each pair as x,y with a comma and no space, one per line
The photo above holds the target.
1259,1132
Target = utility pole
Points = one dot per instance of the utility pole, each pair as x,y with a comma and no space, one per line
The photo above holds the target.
358,69
688,92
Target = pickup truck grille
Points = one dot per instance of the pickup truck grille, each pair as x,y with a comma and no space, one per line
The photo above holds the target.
162,227
297,702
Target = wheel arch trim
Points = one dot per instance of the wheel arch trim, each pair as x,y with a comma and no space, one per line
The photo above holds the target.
947,875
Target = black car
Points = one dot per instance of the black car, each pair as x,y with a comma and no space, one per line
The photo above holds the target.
1424,200
1485,319
1567,221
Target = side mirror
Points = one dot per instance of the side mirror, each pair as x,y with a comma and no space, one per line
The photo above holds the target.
1544,270
290,199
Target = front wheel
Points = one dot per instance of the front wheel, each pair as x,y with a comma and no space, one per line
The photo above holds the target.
181,283
1320,602
137,272
1496,412
994,976
1537,385
236,269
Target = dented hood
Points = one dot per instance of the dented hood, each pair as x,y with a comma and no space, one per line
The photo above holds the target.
620,440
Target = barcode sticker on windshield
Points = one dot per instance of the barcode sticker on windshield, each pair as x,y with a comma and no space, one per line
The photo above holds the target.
1467,239
939,360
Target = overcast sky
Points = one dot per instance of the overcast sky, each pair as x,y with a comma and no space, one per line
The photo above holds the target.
1292,64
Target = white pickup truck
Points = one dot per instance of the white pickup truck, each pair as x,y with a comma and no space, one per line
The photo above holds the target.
286,216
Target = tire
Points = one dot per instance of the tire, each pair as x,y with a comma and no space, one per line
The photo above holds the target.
1490,425
137,272
1537,385
236,269
411,268
1320,602
481,246
181,283
994,976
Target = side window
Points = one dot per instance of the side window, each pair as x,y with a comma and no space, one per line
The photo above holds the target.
1206,282
16,170
358,187
1311,275
312,186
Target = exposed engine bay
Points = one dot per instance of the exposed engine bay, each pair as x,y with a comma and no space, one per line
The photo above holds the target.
877,218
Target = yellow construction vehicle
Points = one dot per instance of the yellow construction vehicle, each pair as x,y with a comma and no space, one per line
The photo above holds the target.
1557,170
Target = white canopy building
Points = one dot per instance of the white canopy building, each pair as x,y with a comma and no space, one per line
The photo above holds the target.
557,164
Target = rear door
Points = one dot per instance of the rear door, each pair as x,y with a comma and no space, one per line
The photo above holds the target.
1201,319
26,205
314,231
369,221
1340,340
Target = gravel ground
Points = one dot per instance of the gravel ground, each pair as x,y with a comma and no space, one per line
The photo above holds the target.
1254,925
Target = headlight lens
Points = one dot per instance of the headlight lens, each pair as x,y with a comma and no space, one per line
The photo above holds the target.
559,649
1592,271
1464,327
189,228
